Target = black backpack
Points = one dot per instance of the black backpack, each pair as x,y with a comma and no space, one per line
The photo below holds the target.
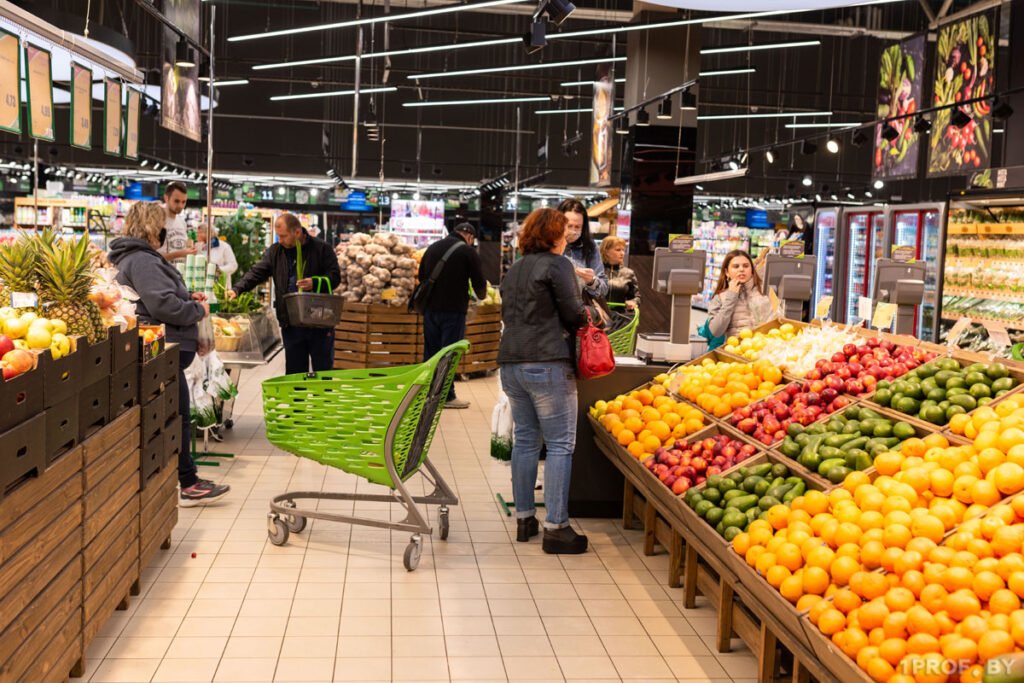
421,295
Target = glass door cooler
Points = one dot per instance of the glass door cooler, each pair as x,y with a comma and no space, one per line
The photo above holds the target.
825,222
921,228
865,234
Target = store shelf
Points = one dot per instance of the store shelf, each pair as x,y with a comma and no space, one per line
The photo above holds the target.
983,294
1009,324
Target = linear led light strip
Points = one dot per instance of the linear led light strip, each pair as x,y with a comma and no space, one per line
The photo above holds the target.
570,111
569,84
447,9
501,41
501,100
702,74
772,115
754,48
849,124
332,93
517,67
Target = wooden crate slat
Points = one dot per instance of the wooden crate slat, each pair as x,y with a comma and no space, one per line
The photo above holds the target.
50,629
161,531
123,490
105,605
21,595
63,652
25,623
26,497
29,525
115,543
112,585
101,443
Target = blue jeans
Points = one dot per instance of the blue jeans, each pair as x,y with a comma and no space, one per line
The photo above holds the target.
543,400
305,344
441,329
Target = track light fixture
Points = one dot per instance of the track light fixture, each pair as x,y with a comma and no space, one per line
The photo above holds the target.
859,137
889,132
535,39
960,118
733,164
808,147
665,109
832,145
687,101
184,56
922,125
807,181
643,118
878,184
204,72
623,126
769,156
558,10
1001,109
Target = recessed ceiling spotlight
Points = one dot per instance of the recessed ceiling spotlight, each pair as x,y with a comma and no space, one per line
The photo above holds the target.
832,145
867,193
769,156
878,184
808,181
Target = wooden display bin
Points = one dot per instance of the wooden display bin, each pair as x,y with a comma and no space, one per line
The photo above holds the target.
484,335
158,512
377,335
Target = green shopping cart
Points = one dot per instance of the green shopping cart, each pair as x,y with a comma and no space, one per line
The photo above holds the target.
376,423
623,340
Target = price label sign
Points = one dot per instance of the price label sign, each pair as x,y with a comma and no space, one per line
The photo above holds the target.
958,328
681,243
884,314
824,307
864,308
10,82
998,334
388,294
773,300
792,249
903,254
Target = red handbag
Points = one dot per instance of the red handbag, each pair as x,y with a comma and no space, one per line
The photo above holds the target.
596,358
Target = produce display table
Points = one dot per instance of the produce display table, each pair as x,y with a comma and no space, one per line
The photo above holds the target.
80,517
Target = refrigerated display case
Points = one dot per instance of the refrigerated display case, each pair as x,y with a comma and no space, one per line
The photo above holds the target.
865,241
825,281
921,227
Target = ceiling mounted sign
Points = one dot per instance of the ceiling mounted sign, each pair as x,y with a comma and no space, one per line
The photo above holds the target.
755,5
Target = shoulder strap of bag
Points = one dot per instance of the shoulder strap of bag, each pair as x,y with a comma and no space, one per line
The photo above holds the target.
439,266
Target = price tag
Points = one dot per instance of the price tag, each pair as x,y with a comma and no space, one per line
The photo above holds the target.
998,334
903,254
824,307
792,249
864,308
676,382
388,294
24,299
884,314
954,333
773,299
681,243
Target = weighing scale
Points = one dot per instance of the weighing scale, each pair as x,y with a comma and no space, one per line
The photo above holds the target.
680,274
792,278
901,284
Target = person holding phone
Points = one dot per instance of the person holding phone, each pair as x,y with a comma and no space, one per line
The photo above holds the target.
582,251
738,302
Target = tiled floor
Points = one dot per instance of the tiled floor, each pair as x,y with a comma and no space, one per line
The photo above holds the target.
336,604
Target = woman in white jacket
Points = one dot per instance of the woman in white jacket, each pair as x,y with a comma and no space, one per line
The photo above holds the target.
221,254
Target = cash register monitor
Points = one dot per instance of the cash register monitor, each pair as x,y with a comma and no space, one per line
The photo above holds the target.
793,281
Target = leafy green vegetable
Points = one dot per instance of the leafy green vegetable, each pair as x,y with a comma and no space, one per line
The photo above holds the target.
246,235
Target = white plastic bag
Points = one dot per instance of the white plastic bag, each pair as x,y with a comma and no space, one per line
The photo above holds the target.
501,430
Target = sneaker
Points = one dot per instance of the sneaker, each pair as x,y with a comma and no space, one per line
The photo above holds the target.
564,541
525,528
457,403
202,492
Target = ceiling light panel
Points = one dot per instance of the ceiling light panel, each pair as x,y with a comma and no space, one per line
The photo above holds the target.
726,72
569,84
332,93
500,100
516,67
755,48
771,115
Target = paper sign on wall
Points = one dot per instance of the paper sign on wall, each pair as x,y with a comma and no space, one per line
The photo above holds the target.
864,308
10,83
884,314
958,328
40,93
997,334
824,307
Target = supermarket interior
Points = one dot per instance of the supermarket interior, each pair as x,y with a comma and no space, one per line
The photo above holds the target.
298,386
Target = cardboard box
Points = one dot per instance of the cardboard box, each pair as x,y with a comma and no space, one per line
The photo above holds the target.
93,407
61,427
22,453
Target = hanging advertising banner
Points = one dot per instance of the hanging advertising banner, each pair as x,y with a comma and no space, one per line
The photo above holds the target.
81,107
112,117
964,70
131,125
900,91
179,104
601,135
10,82
40,93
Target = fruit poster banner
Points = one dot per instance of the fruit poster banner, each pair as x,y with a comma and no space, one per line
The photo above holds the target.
81,107
10,82
40,93
112,117
900,91
601,129
131,125
964,70
179,104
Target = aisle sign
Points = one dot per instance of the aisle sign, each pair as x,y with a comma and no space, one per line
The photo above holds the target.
10,82
40,93
954,333
884,314
864,308
112,117
903,254
681,243
792,249
997,334
823,308
131,125
81,107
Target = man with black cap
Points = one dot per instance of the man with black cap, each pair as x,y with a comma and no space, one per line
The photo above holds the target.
444,318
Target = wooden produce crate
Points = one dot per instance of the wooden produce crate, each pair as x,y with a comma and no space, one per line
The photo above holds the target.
23,454
158,513
483,333
377,335
40,573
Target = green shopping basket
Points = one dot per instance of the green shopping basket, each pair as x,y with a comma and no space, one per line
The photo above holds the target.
623,340
376,423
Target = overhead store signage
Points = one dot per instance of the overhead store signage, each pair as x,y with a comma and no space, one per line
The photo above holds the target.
131,125
179,102
964,69
601,129
112,117
997,178
757,218
900,91
10,82
40,93
81,106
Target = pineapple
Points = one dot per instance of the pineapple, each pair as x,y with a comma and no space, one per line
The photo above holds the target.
64,269
18,260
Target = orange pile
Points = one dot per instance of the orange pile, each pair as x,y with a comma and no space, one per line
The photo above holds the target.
648,419
720,387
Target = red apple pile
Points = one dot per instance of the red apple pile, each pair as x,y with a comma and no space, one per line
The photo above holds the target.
856,369
768,420
688,464
14,362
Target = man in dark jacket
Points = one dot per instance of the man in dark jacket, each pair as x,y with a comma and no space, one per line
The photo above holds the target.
301,344
444,320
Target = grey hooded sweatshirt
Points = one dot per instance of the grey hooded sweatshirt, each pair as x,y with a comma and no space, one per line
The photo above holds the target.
163,297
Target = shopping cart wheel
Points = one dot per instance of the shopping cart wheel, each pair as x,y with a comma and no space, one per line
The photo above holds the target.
443,523
277,531
411,560
295,523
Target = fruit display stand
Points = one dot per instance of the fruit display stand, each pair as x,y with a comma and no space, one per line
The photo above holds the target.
377,335
483,332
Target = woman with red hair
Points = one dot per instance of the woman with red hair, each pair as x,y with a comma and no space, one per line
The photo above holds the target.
541,310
